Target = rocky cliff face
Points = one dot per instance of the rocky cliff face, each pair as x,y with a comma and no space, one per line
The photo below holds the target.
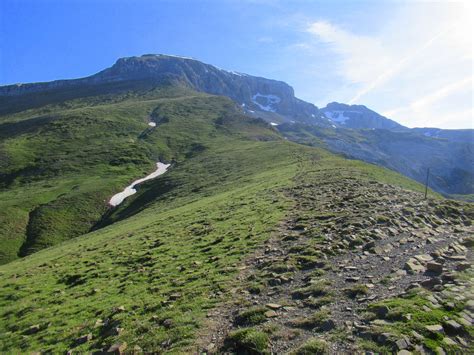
254,94
357,116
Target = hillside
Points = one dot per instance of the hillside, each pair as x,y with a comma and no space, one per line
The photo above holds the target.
249,243
445,152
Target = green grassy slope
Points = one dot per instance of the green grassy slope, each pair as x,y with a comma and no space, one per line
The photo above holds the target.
61,163
166,265
169,253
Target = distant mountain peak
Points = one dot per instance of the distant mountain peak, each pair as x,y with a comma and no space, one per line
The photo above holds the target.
358,116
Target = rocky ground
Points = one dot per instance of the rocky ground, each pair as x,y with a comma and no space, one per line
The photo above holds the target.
358,266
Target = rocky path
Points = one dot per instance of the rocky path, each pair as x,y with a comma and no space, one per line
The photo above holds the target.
348,245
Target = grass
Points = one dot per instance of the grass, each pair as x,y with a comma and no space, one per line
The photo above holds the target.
252,316
316,289
161,260
317,320
61,166
312,347
248,341
419,318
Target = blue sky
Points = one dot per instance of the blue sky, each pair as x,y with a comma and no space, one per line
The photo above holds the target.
409,60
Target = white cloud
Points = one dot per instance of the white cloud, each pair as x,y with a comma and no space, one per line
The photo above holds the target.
441,93
416,67
353,51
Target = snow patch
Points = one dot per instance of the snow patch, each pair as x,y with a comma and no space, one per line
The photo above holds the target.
130,190
152,124
176,56
434,134
274,124
337,116
271,100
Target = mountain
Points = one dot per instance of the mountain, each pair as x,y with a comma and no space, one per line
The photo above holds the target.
248,243
357,116
452,135
273,98
407,152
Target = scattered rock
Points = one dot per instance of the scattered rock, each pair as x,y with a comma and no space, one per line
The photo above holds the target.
168,323
382,311
431,282
452,327
402,344
423,258
117,348
434,267
413,266
449,341
435,329
271,314
83,339
33,329
352,279
273,305
417,335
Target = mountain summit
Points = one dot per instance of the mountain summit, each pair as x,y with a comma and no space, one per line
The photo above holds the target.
271,98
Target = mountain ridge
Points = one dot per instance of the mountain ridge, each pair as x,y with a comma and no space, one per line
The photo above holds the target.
249,91
275,102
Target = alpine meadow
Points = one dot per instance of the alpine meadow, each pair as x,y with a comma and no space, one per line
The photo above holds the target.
164,205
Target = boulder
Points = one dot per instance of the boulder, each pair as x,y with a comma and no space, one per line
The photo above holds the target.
434,267
452,327
402,344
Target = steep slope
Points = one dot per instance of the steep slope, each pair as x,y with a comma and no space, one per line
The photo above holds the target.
150,281
63,162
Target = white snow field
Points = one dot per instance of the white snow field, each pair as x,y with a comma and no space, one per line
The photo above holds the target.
117,199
